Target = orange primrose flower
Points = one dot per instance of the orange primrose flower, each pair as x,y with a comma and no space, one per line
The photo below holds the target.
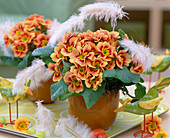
102,35
57,76
81,71
57,56
67,36
20,49
36,34
48,23
68,48
80,55
137,68
26,37
96,65
29,25
152,126
42,39
110,64
36,20
161,135
17,29
94,81
74,82
114,35
21,125
8,40
105,50
31,17
90,36
122,58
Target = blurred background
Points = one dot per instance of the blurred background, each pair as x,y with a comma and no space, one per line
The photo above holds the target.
149,18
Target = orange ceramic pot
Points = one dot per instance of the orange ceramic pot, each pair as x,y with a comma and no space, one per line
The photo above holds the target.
43,92
100,115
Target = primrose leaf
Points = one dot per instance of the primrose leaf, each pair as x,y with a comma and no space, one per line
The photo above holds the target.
109,73
66,66
26,61
11,61
91,96
121,33
126,76
140,90
47,59
67,95
43,51
58,88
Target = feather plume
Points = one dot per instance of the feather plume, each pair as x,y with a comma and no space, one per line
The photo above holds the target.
71,128
37,73
106,11
74,22
139,52
53,27
46,120
5,28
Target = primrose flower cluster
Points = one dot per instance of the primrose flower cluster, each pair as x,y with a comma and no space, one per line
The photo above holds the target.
28,35
90,53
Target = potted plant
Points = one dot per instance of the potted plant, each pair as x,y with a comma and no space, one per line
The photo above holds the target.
23,38
92,67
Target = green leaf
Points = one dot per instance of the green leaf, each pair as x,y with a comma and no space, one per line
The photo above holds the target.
121,33
91,96
109,73
43,51
126,76
47,59
67,95
140,90
26,61
141,80
11,61
57,89
66,66
123,75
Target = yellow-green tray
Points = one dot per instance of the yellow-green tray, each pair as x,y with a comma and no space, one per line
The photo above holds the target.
27,109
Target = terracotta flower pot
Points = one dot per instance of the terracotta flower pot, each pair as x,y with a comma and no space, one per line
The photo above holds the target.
100,115
43,92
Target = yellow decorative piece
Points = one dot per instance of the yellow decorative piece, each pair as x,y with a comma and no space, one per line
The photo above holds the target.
6,91
124,121
151,103
157,61
21,124
161,135
5,83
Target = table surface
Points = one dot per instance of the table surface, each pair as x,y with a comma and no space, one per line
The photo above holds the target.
129,134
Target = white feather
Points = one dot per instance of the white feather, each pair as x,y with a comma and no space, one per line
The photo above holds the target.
53,27
5,28
37,73
106,11
45,119
72,123
139,52
74,22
